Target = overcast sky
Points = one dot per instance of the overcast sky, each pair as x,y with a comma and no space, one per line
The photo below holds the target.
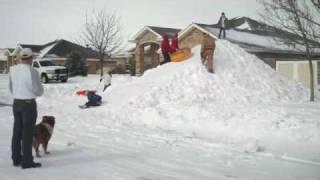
41,21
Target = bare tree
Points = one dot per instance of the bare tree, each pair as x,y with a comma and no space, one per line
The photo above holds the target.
102,32
301,20
316,3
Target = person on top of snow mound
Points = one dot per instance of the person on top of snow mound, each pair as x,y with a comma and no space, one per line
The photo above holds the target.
223,25
174,43
165,48
207,50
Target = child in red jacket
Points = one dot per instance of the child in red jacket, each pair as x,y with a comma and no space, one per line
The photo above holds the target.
174,43
165,48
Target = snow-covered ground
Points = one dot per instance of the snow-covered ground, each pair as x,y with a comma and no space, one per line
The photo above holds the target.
179,122
5,97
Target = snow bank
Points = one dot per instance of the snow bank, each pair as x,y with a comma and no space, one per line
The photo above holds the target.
5,96
239,104
258,40
230,106
240,78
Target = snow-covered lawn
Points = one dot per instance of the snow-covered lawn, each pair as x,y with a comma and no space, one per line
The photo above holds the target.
179,122
5,97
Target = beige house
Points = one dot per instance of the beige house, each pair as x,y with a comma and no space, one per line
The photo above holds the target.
192,36
3,60
253,36
299,70
146,53
286,61
6,60
147,42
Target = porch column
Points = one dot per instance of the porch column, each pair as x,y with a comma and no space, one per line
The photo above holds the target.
207,48
9,62
155,56
139,56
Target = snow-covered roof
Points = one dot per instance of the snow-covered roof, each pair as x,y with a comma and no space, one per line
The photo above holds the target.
57,48
252,35
158,31
4,52
245,26
201,27
121,54
164,30
44,51
268,42
3,57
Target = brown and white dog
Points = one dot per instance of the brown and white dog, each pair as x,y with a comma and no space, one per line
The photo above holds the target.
43,133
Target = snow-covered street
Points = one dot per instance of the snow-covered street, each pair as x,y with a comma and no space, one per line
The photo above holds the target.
4,90
87,148
178,122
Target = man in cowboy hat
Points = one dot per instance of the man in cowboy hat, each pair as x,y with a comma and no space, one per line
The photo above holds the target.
25,86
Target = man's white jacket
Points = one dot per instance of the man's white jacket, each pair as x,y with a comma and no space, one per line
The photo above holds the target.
24,82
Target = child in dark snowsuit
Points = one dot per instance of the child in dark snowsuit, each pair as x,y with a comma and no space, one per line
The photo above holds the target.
93,99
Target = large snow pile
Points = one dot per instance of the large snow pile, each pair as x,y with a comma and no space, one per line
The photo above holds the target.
229,106
240,78
243,103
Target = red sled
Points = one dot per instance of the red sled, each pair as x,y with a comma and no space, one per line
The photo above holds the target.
84,92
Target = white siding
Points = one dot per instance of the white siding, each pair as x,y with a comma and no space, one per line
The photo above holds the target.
298,70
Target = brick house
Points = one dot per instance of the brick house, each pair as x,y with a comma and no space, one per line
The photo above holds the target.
263,41
57,51
253,36
5,60
147,42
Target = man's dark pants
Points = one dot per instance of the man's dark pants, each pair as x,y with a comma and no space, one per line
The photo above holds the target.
25,116
222,30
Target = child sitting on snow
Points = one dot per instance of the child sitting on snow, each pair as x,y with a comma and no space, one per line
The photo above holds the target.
93,99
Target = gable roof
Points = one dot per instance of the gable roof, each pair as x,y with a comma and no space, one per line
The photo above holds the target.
246,24
252,35
164,30
158,31
10,50
63,47
201,27
3,54
60,48
34,48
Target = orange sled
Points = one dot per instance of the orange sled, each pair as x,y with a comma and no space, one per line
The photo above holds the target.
180,55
